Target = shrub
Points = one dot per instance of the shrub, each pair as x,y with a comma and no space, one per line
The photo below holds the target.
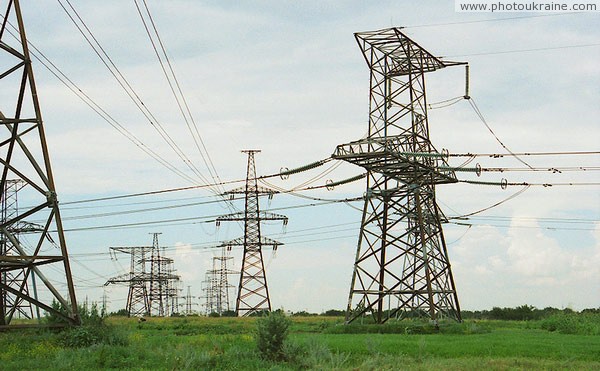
272,331
573,323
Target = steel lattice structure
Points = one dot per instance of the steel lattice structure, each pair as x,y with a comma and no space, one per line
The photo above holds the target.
137,278
24,156
401,267
188,302
253,292
151,292
217,284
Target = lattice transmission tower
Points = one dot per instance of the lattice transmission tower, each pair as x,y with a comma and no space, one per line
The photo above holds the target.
153,285
401,267
217,284
138,303
253,292
24,156
188,302
15,278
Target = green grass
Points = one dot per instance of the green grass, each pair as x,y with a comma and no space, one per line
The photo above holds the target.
200,343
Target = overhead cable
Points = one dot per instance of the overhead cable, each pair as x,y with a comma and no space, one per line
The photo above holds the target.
126,86
176,90
480,115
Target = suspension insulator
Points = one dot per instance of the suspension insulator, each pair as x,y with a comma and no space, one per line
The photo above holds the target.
478,169
503,183
283,173
445,154
286,171
329,185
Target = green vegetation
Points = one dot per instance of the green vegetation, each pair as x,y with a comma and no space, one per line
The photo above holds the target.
271,333
560,340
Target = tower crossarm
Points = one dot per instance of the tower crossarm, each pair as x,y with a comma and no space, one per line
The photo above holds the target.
264,241
405,55
392,156
241,216
260,190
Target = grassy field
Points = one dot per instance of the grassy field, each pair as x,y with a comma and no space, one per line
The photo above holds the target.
313,343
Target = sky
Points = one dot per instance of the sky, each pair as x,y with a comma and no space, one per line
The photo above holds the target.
288,78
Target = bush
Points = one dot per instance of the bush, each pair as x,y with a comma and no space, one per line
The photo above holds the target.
272,331
573,323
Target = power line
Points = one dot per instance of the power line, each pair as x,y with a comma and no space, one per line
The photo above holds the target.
99,110
483,120
173,82
518,193
524,227
126,86
500,155
506,183
535,219
486,20
209,218
168,190
524,50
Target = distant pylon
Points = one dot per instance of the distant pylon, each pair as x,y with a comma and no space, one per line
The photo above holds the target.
158,280
15,278
137,278
151,291
24,155
188,302
217,284
402,266
253,292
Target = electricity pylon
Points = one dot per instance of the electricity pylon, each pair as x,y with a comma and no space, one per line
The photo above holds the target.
24,155
401,267
188,303
151,291
14,278
217,284
253,292
158,280
137,278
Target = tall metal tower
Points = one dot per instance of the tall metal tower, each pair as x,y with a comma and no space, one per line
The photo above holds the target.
151,291
253,293
158,280
172,288
24,155
209,297
402,266
138,303
217,284
15,278
188,302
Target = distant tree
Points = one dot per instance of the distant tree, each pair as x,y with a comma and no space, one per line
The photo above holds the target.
303,313
120,313
334,313
591,310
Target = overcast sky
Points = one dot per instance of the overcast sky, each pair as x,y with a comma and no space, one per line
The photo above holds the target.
287,77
